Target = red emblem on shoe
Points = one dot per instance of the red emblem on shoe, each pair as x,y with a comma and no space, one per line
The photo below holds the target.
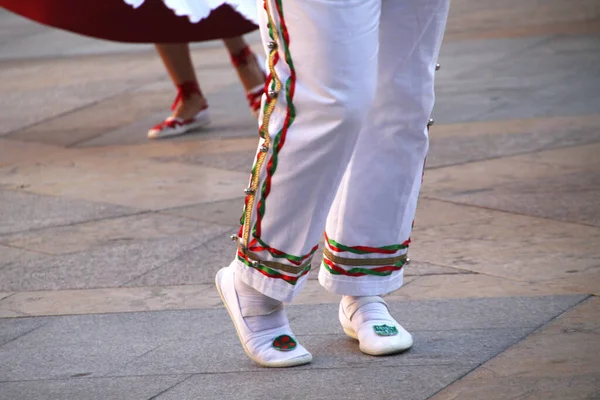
284,343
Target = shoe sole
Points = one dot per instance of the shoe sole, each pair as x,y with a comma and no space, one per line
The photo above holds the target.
289,363
191,127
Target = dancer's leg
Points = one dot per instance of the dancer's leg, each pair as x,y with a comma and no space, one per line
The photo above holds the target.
369,225
248,68
323,79
178,62
323,63
189,110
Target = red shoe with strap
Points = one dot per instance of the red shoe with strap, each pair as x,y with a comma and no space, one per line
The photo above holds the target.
173,126
254,95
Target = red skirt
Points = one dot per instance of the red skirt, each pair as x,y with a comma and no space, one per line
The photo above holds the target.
114,20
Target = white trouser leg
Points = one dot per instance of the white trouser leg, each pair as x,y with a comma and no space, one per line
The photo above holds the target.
324,54
369,225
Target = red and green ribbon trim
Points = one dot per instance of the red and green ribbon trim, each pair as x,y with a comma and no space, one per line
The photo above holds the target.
340,248
262,246
279,140
334,269
270,272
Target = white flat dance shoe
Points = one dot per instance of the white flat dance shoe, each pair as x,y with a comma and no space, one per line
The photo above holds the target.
276,347
176,126
377,337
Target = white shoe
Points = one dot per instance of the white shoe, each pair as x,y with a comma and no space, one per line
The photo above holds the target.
377,337
176,126
276,347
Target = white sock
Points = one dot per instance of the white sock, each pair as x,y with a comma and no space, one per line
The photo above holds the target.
368,319
368,312
260,312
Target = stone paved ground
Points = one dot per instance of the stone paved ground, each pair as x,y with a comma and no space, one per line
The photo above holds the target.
109,243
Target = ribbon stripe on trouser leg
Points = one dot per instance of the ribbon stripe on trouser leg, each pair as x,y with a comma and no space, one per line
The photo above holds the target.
372,216
323,59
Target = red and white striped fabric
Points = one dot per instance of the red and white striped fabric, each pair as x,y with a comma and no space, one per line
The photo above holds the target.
197,10
118,21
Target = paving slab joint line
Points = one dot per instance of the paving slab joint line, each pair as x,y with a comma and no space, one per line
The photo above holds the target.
149,52
543,39
83,107
463,272
109,374
68,112
170,387
5,244
437,264
183,253
9,295
534,331
26,333
457,203
32,230
78,142
458,164
467,272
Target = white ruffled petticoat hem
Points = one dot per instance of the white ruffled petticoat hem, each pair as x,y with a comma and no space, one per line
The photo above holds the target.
197,10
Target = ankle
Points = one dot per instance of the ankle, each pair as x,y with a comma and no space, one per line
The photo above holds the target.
360,313
252,302
248,68
241,57
194,99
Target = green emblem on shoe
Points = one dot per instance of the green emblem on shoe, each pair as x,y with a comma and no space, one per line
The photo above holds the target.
284,343
385,330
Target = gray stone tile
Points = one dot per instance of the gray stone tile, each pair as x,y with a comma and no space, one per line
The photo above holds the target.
48,92
560,184
103,267
43,104
492,387
460,59
573,95
21,211
445,151
130,388
406,383
435,315
151,328
533,79
28,360
230,118
225,212
198,265
111,232
86,123
446,347
424,268
552,56
13,328
222,353
240,161
204,340
569,197
9,255
134,133
448,333
96,345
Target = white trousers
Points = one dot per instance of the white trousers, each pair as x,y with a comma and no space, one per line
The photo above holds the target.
343,142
